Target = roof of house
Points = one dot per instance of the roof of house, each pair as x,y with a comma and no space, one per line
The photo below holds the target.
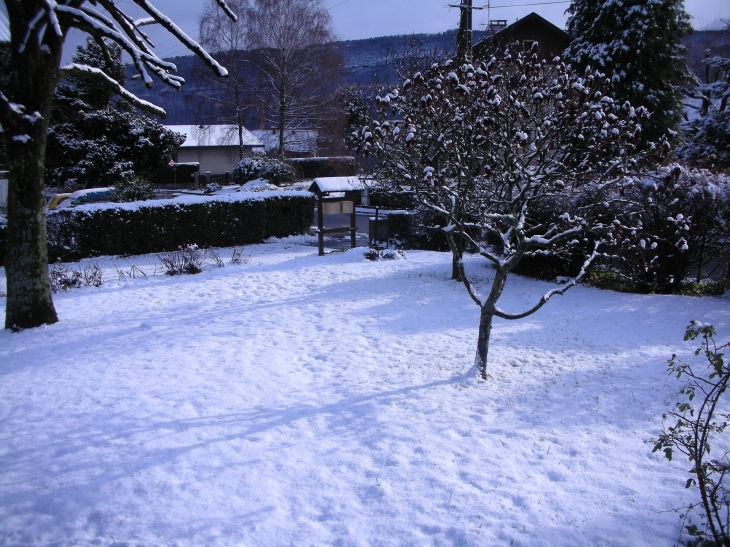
531,26
214,135
4,28
295,140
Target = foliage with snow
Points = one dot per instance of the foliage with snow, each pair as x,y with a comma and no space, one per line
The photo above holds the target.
259,166
518,156
96,141
707,130
638,44
132,189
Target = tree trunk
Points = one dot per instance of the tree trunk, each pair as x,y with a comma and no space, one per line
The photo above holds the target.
485,321
33,79
455,272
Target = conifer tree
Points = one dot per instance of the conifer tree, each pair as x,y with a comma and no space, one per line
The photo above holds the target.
97,139
638,45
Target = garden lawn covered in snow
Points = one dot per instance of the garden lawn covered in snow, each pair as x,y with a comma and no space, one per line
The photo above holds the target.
304,400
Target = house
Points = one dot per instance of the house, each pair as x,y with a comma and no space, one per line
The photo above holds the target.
298,143
532,28
214,147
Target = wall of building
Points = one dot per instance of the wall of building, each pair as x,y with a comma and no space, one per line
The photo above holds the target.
216,159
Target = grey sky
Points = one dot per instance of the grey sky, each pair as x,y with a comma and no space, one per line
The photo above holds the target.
354,19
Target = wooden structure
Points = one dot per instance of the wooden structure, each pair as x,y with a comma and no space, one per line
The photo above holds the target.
329,204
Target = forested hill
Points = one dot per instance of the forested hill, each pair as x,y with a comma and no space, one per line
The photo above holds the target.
365,65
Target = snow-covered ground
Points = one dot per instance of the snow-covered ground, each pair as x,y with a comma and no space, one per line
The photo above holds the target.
304,400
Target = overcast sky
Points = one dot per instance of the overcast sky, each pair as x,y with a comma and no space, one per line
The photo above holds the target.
354,19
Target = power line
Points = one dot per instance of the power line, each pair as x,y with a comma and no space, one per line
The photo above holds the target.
531,4
345,2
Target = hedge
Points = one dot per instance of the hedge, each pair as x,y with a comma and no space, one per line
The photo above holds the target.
161,225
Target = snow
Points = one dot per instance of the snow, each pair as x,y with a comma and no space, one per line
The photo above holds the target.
214,135
305,400
336,184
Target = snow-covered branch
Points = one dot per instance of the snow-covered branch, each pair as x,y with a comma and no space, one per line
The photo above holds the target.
100,75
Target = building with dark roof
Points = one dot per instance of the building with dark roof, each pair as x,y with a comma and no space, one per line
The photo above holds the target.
551,40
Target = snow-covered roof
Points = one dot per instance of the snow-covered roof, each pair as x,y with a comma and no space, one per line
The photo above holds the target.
295,140
336,184
213,135
4,28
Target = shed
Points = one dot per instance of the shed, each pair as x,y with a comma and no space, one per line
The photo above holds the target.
329,204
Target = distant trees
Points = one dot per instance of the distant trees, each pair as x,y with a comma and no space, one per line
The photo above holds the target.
227,40
298,63
38,29
516,157
95,138
638,44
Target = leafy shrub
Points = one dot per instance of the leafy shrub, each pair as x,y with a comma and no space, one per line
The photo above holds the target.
694,423
259,166
610,281
713,288
132,189
163,226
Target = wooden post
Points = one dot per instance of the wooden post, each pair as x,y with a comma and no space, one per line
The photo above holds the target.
320,225
353,225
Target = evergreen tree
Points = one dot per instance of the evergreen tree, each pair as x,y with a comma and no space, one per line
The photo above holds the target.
95,139
707,130
638,44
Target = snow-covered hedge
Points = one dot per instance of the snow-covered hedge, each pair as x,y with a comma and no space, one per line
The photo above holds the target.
163,225
262,167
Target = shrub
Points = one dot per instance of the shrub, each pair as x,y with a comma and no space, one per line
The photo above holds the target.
132,189
163,226
259,166
610,281
695,422
186,260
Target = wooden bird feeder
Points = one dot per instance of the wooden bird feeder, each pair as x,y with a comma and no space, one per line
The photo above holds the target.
327,204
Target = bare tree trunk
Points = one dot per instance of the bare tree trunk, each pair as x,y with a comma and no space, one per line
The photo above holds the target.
485,321
34,76
282,120
455,271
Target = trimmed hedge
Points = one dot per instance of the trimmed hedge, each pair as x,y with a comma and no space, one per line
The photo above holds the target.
159,226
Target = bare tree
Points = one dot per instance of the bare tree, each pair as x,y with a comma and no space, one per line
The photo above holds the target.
298,62
226,39
517,157
38,29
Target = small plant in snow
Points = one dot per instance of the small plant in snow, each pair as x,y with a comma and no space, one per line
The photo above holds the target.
63,278
186,260
216,258
693,424
238,258
92,275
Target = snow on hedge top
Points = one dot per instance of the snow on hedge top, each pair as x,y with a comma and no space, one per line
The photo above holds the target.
182,200
214,135
336,184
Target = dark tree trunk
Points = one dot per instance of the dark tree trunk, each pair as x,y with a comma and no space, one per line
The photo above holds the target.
485,321
33,79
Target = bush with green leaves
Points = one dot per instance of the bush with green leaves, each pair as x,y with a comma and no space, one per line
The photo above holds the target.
262,167
695,423
132,189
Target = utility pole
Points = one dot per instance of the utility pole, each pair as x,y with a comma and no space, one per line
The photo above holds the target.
464,34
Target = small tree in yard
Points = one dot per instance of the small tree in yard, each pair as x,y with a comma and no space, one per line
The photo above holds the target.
518,157
695,423
38,29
